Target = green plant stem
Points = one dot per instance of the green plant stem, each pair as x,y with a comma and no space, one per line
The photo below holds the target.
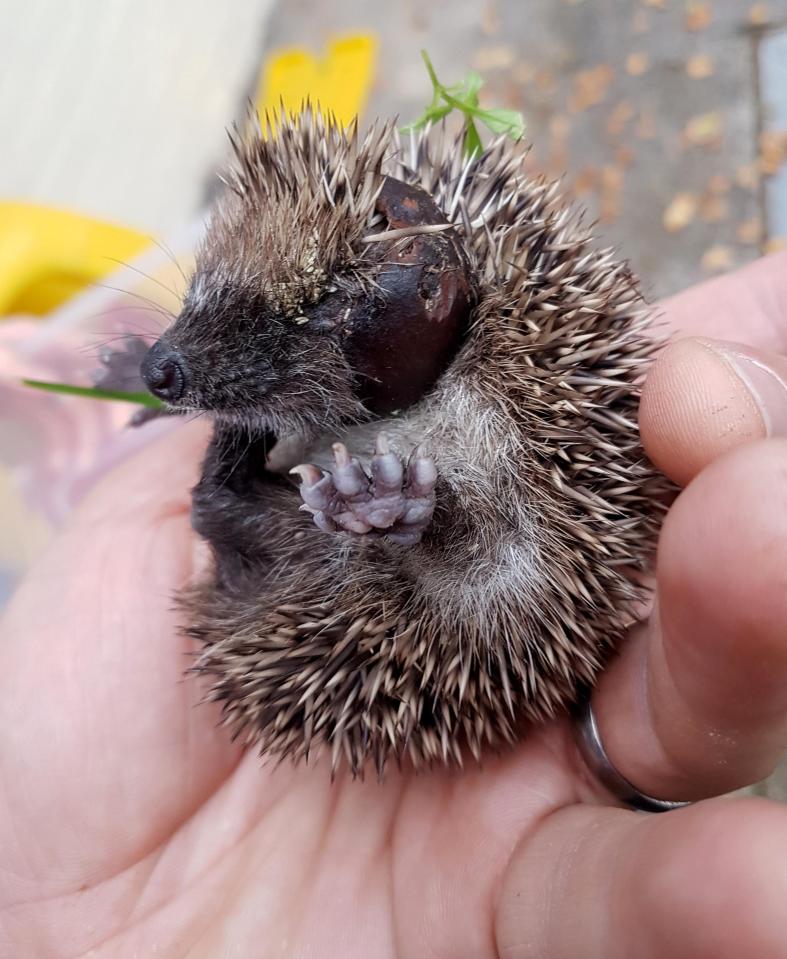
96,393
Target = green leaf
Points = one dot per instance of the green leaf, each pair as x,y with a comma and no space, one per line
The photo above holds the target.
457,104
509,122
430,115
472,144
96,393
457,90
430,70
463,97
473,81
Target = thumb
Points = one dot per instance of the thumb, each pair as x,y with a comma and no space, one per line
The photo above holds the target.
704,397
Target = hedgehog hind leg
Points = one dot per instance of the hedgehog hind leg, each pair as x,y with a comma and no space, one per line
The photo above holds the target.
246,514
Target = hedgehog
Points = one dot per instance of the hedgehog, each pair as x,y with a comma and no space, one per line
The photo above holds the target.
427,504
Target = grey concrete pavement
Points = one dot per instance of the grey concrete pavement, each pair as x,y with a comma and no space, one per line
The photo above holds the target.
651,109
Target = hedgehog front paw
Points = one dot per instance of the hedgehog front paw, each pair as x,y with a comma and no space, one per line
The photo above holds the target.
396,502
120,370
120,365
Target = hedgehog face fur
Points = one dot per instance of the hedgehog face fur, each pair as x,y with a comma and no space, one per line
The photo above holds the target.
287,324
233,354
349,288
249,344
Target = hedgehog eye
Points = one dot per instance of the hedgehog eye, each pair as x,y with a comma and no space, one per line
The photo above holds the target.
401,340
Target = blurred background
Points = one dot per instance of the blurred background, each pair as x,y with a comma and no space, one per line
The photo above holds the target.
667,119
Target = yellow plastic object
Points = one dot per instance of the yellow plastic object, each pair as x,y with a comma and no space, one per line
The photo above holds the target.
48,255
339,82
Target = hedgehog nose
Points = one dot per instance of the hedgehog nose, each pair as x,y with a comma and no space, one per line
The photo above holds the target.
164,372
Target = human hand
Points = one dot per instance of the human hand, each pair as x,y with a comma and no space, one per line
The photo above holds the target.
129,826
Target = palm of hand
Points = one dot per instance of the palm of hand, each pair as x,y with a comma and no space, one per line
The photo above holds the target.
144,831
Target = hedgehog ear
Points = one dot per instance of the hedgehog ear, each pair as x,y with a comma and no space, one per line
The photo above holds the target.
404,336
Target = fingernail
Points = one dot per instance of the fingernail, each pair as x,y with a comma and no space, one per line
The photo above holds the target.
764,377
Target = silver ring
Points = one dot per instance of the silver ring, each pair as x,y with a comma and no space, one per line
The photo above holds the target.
598,762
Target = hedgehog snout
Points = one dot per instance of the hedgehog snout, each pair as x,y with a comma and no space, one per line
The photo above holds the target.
164,372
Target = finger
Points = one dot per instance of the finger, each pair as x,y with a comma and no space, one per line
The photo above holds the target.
703,397
157,479
748,305
708,880
696,704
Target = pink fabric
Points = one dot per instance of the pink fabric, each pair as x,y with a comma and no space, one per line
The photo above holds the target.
54,447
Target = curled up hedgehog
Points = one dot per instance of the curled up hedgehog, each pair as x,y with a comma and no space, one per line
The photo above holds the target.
425,493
